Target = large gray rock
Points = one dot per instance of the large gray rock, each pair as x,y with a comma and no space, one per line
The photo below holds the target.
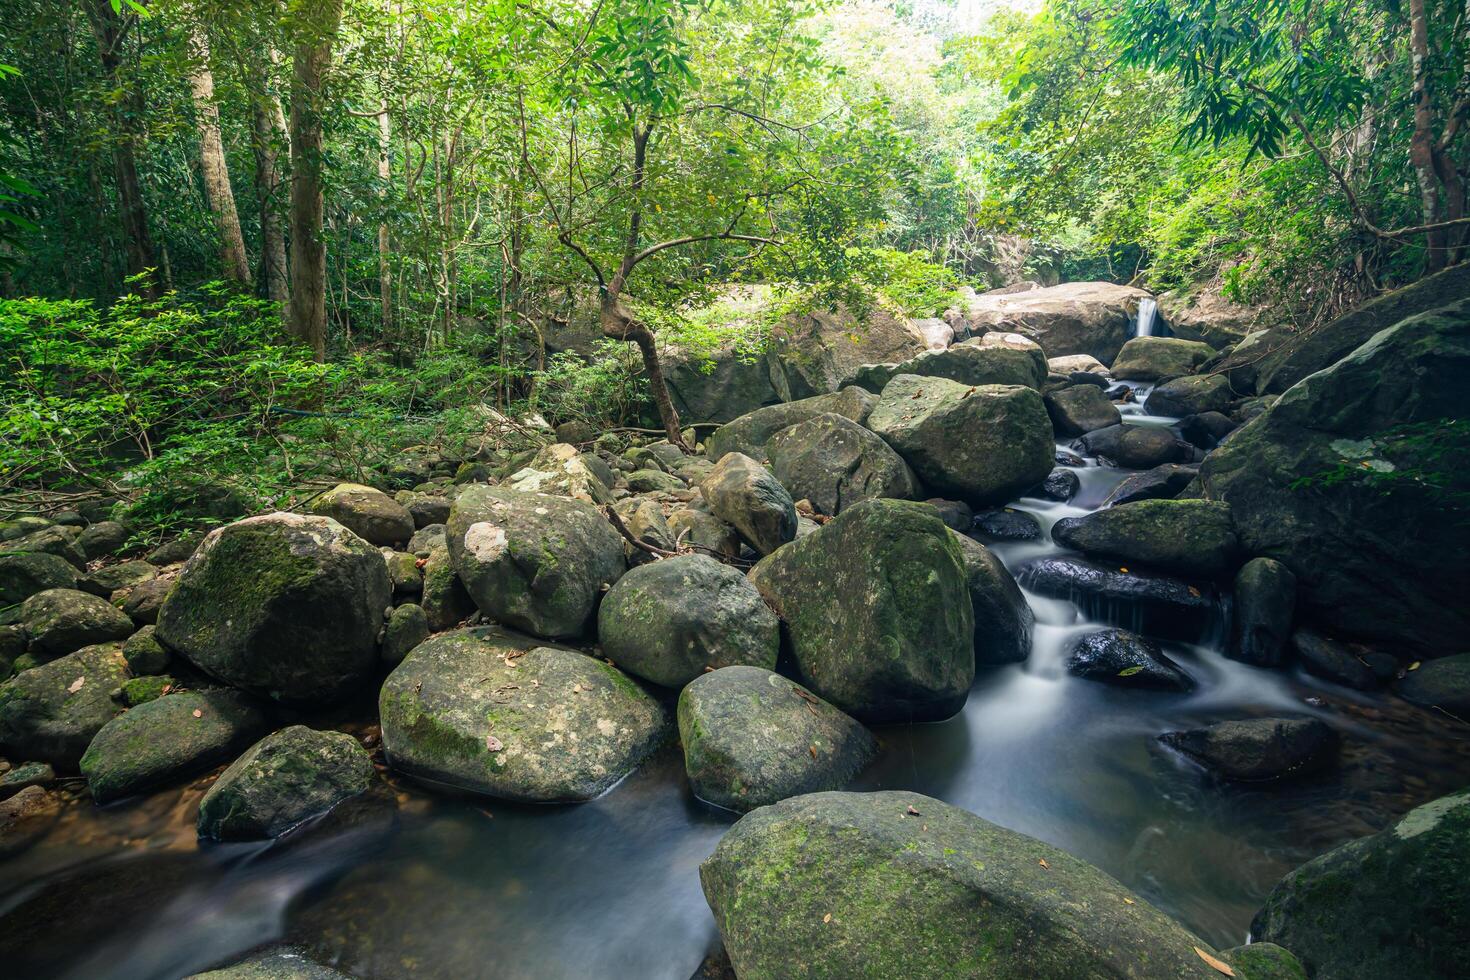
812,351
672,620
833,462
894,884
983,444
969,362
1138,447
1073,318
370,514
1079,409
752,737
1192,395
1442,684
749,433
284,605
1354,482
877,609
562,470
746,495
58,541
1159,358
1003,620
1125,659
1265,602
50,713
533,562
23,574
490,712
1389,906
1259,749
62,620
1191,537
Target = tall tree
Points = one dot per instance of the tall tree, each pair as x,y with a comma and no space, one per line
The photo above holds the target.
216,172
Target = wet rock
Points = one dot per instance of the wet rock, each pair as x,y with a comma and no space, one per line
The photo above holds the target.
1160,483
834,462
877,611
956,514
1060,485
1190,396
169,739
1349,664
25,816
22,575
1005,524
705,532
1003,620
670,621
274,963
1136,446
534,562
752,737
749,433
57,541
1081,409
1442,684
108,579
283,605
1259,749
406,629
370,514
26,774
1191,537
746,495
1387,906
981,444
445,601
1265,604
1207,429
1126,659
281,781
1158,358
492,713
1063,457
1158,605
62,620
894,884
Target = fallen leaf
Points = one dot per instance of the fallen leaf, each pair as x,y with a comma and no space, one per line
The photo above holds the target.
1043,863
1129,901
576,688
1414,665
827,917
913,812
1217,964
1130,671
1194,592
198,713
493,744
76,685
813,750
1122,569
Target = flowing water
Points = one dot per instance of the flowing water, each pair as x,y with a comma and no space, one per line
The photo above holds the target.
410,884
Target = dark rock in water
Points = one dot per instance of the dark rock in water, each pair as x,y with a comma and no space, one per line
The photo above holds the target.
171,738
1206,429
1003,619
1190,396
1005,524
1154,604
672,620
1060,485
1259,748
1064,458
1443,684
1390,906
749,433
1080,409
746,495
1159,358
51,711
24,574
1349,664
26,774
275,963
834,462
1191,537
1160,483
1122,394
752,737
894,884
1126,659
1265,603
282,780
1089,378
877,611
1264,961
1136,446
956,514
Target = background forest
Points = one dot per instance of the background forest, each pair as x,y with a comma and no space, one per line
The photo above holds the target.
246,243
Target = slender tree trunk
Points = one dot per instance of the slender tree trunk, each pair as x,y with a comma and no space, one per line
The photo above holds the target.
1422,143
217,190
385,243
267,130
619,324
316,24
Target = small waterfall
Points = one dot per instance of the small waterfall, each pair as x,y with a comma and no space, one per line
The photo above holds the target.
1146,318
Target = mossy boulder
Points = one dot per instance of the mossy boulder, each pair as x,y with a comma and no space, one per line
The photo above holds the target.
671,620
654,481
58,541
23,574
746,495
533,562
445,601
1264,961
1194,395
50,712
1138,447
1079,409
1265,604
141,690
1259,749
406,629
1003,620
1389,906
168,739
370,514
752,737
1191,537
1159,358
877,611
281,781
983,444
833,462
144,654
284,605
1443,684
490,712
968,362
59,621
1125,659
749,433
895,884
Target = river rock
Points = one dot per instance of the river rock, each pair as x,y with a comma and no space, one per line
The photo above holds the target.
58,541
1006,524
490,712
895,884
144,654
1060,485
1159,358
1259,749
1080,409
24,574
1136,446
62,620
746,495
654,481
970,362
1207,429
108,579
834,462
1190,396
370,514
168,739
406,629
877,611
1349,664
672,620
749,433
445,601
281,781
1265,603
1126,659
534,562
1093,318
983,444
1069,364
1264,961
1003,619
1160,483
705,532
1389,906
50,712
1158,605
284,605
1442,684
1191,537
752,737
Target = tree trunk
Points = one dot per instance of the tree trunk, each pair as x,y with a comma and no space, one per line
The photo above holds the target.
385,253
315,26
267,127
619,324
217,190
1422,143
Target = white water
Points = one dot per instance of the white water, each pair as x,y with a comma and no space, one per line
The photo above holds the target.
1147,316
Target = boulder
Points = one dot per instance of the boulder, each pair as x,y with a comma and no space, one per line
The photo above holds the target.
533,562
108,579
653,481
62,620
1389,906
970,363
1006,524
428,537
489,712
57,541
561,470
895,884
50,712
168,739
1159,605
812,351
743,493
1190,396
103,538
1060,485
1080,409
1259,749
406,629
1159,358
175,551
752,737
282,781
1138,447
284,605
1442,684
834,462
1163,482
1206,429
1208,316
273,963
23,574
1349,664
1191,537
445,601
644,519
1354,482
877,611
670,621
983,444
1264,961
370,514
144,654
1003,619
427,510
705,533
1093,318
1069,364
1265,602
1126,659
749,433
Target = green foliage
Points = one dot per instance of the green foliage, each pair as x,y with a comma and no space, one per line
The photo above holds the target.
1429,456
